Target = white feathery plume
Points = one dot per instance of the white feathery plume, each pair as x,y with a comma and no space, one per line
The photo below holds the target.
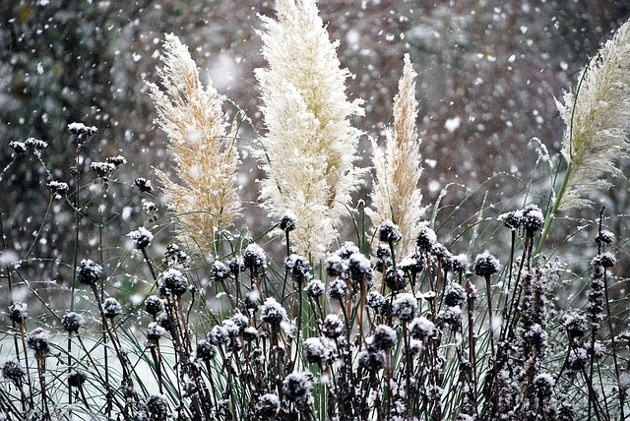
395,195
204,197
310,145
597,117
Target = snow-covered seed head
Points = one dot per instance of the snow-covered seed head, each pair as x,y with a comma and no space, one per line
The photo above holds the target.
219,272
268,406
394,279
460,263
81,129
18,147
174,257
155,332
513,219
315,350
111,308
117,160
164,320
347,249
384,338
607,259
13,371
543,384
374,299
299,268
218,335
205,351
536,336
240,320
58,188
412,264
372,360
157,407
452,316
315,288
250,333
231,328
272,312
575,325
441,253
254,257
140,238
103,169
38,341
405,307
143,185
89,272
332,326
173,283
33,143
421,328
577,359
153,305
605,238
486,265
335,266
72,322
288,222
360,267
454,295
389,232
76,379
236,265
337,289
426,238
18,312
533,219
296,387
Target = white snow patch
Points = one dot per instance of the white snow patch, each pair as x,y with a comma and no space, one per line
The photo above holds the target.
453,124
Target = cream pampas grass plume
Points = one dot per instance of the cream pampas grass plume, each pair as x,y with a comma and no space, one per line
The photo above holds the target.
395,195
597,117
310,145
203,196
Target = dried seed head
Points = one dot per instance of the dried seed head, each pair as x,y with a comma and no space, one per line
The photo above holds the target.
272,312
384,338
89,272
218,335
140,238
38,341
81,129
254,257
13,371
332,326
315,288
360,267
513,219
205,351
460,263
372,360
299,268
173,283
155,332
288,222
389,232
575,325
174,257
543,384
58,188
18,147
219,272
315,350
296,387
268,406
143,185
421,328
394,279
454,295
335,266
374,299
76,379
426,238
153,305
607,259
72,322
486,265
347,249
18,312
157,407
533,219
111,308
605,237
405,307
412,264
33,143
452,316
337,289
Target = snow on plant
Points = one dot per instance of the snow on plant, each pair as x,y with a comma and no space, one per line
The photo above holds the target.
310,145
204,197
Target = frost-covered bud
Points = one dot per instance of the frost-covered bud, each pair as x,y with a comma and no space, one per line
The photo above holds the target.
76,379
405,307
250,333
111,308
268,406
607,259
577,359
143,185
18,312
412,264
426,238
460,263
205,351
254,257
605,237
347,249
240,320
372,360
89,272
72,322
421,328
513,219
543,384
575,325
360,267
236,265
296,387
153,305
58,188
315,288
384,253
13,371
33,143
486,265
155,332
337,289
315,351
18,147
374,299
288,222
384,338
533,219
117,160
332,326
452,316
335,266
173,283
103,169
140,238
299,267
394,279
441,253
81,129
157,407
389,232
272,312
38,341
231,328
454,295
218,335
219,272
